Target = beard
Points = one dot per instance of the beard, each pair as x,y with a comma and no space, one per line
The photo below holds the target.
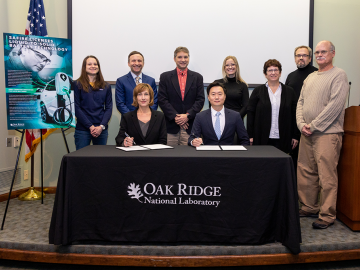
301,64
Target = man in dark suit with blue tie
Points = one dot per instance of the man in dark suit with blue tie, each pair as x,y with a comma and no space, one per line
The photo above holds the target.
217,125
125,85
181,97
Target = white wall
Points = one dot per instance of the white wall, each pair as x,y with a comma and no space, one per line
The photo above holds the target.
335,20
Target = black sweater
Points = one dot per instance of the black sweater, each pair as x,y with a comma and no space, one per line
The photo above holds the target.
296,78
237,95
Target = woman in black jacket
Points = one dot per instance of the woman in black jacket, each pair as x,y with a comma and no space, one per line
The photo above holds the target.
144,125
271,112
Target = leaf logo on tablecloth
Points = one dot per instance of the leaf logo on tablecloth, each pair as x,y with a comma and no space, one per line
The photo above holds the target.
135,191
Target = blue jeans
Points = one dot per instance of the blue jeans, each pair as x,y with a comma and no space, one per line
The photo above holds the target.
83,138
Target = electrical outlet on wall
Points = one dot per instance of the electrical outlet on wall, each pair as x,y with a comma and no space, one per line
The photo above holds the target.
26,174
16,141
8,142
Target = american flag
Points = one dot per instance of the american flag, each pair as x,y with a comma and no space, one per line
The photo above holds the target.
36,20
35,25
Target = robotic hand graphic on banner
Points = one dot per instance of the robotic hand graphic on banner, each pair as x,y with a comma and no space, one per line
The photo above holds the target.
56,100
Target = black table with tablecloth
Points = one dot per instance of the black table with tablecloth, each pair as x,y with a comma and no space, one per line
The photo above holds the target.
177,196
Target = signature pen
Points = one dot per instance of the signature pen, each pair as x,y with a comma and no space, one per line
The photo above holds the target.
127,135
196,137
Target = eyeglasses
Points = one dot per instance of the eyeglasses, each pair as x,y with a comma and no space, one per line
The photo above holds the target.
272,70
321,52
230,65
302,55
41,57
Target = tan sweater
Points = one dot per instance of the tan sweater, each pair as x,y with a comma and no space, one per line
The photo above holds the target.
322,101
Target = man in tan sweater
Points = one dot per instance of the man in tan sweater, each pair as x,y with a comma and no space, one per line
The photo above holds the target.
320,118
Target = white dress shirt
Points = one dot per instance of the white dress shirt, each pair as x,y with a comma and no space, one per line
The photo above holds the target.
134,77
275,100
221,117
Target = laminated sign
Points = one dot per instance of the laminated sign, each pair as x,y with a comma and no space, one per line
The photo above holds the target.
39,83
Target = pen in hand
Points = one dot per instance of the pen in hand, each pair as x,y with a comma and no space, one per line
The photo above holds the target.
127,135
197,138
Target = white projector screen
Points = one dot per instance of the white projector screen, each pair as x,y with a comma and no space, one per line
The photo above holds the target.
252,30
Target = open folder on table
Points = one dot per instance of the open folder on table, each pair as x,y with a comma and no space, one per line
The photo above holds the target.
144,147
221,147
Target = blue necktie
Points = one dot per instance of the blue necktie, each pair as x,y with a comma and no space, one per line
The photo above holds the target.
217,125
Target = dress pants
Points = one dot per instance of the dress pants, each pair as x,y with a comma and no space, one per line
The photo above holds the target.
317,173
180,138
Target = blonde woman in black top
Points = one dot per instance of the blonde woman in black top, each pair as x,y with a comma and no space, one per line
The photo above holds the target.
237,96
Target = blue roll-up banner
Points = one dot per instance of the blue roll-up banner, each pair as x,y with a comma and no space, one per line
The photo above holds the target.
39,83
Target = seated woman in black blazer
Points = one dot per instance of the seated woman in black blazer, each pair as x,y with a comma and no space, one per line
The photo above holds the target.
271,112
144,125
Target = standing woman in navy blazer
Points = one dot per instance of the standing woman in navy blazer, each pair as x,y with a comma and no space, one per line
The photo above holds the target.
144,125
271,112
93,105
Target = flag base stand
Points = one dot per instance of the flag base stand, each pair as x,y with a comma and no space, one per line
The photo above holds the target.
31,195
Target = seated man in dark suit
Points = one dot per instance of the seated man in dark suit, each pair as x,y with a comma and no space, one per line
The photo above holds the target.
217,125
125,85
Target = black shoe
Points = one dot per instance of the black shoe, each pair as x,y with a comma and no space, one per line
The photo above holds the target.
321,224
303,213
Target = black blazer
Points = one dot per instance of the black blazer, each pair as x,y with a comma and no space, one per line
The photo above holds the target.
203,127
156,132
259,117
171,103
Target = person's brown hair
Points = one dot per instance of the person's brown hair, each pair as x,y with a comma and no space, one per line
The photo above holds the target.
141,87
84,78
181,49
272,62
135,52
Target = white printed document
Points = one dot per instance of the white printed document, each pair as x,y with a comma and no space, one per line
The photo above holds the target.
157,146
233,148
132,148
208,148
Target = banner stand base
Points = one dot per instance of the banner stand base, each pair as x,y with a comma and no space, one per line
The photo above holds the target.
31,195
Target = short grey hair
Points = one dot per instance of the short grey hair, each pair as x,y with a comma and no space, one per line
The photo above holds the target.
303,47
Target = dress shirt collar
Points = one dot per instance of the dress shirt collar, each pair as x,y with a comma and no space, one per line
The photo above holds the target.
181,72
214,112
277,90
134,76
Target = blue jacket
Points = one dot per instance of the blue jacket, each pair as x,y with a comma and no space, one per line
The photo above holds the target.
93,107
124,92
203,127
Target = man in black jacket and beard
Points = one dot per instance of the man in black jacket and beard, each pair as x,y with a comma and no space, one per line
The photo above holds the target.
296,78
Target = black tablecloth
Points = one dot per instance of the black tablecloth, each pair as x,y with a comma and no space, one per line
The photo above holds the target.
177,195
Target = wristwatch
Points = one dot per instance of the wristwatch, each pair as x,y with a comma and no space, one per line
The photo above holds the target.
103,127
